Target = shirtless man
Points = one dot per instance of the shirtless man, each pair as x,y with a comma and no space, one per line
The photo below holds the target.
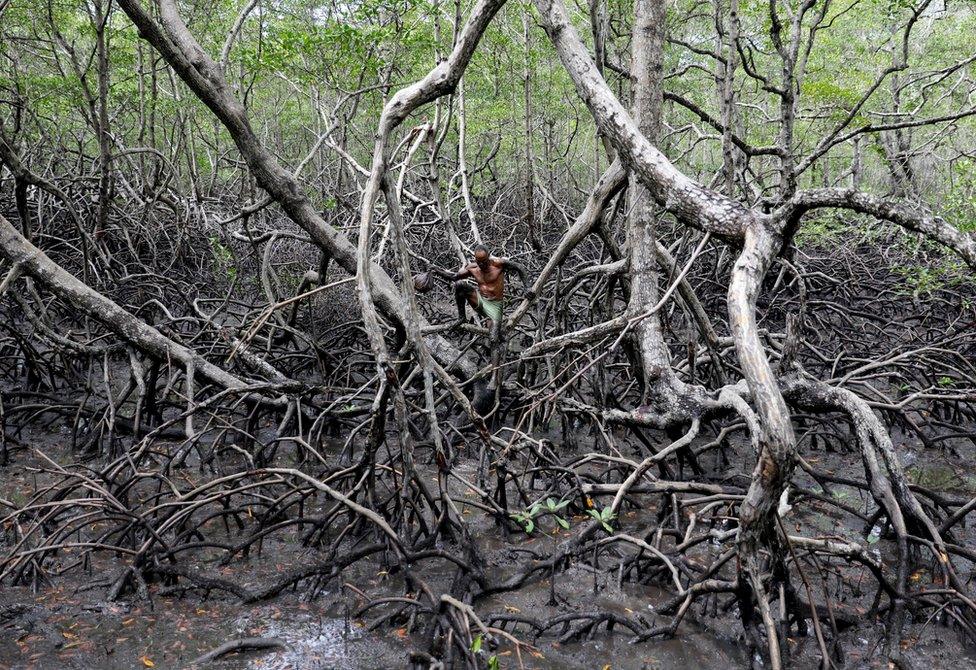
489,274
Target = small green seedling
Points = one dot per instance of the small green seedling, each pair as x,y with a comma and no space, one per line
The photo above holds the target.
527,519
476,644
604,516
553,508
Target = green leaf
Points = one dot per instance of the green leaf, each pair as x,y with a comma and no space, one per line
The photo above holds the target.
562,522
476,644
529,526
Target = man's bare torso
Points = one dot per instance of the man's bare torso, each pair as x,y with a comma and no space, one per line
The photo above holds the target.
491,280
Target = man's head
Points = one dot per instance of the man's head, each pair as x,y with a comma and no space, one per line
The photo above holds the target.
481,255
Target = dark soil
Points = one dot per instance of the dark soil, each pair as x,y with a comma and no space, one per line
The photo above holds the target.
69,624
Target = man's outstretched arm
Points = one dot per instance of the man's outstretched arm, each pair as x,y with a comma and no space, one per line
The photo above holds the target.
463,273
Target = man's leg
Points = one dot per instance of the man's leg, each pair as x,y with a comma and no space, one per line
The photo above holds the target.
465,292
496,338
492,310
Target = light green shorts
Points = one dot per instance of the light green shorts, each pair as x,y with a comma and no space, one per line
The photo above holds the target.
490,308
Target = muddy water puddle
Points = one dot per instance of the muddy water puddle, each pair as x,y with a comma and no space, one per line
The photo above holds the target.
316,642
55,629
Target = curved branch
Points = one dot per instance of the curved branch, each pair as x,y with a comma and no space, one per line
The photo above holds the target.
610,184
744,146
899,212
689,201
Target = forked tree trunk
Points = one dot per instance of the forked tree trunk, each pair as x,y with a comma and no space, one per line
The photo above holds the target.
777,442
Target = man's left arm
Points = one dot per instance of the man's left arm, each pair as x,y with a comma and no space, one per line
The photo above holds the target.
508,265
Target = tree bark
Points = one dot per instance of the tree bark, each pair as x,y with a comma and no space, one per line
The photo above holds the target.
647,70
